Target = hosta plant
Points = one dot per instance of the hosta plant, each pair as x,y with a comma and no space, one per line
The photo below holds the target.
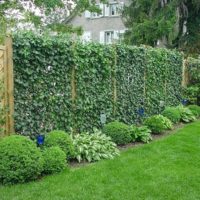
186,114
141,134
158,123
173,114
195,109
94,147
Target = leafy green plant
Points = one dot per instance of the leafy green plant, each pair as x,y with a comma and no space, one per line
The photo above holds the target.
186,114
54,160
194,70
20,160
141,134
94,147
173,114
118,131
158,123
191,93
43,94
62,140
195,109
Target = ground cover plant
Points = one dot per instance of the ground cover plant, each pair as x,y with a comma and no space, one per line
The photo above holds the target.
186,114
141,134
158,123
94,147
59,146
173,114
163,169
195,109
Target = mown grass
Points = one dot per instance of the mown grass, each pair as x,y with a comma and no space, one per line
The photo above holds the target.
165,169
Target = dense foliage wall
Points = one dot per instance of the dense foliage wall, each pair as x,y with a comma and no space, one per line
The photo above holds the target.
93,66
60,84
130,82
193,66
192,71
163,79
147,78
42,79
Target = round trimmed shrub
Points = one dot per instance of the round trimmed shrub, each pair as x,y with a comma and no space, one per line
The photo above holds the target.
62,140
195,110
54,160
20,160
173,114
158,123
119,132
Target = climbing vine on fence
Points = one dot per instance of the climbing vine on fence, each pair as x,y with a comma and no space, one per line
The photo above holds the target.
194,70
42,71
93,64
163,79
174,78
63,84
130,70
192,92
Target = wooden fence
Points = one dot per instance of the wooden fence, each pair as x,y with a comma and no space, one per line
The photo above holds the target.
6,89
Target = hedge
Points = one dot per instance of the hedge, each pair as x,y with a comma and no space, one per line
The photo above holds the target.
192,77
42,78
146,78
62,84
93,79
193,66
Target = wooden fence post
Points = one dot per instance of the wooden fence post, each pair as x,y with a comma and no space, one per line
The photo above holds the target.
73,90
2,89
10,85
165,85
185,74
114,82
144,89
6,79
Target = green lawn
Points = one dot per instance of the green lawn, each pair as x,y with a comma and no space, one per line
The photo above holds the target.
168,168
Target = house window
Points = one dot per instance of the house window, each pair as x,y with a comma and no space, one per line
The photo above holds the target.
109,37
121,35
86,37
96,15
114,9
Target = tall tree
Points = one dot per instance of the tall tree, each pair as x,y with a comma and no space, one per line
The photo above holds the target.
169,23
42,14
